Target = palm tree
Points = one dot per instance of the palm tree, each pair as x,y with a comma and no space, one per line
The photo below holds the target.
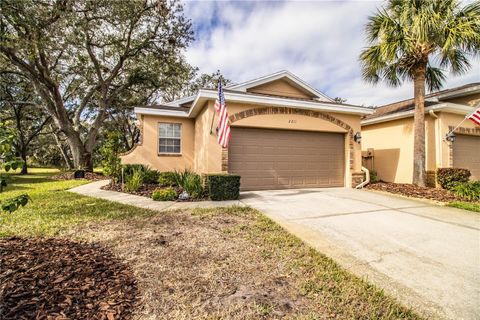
419,40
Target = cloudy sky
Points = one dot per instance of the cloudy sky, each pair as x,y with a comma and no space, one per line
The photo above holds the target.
319,41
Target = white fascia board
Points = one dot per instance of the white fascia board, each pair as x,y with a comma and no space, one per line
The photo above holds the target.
460,93
178,102
275,76
279,102
159,112
447,107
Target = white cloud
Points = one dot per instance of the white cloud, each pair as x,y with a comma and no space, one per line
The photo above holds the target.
319,41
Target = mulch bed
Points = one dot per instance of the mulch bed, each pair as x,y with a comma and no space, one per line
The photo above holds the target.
411,190
62,279
146,190
70,176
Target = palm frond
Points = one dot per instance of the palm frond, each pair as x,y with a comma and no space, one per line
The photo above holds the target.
405,35
435,77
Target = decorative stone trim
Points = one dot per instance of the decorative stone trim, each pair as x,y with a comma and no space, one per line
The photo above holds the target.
224,160
282,110
431,178
459,130
140,140
357,178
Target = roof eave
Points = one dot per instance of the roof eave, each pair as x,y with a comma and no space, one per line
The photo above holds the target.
459,93
159,112
445,107
205,95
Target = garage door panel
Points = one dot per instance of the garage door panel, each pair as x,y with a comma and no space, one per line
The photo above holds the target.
277,159
466,154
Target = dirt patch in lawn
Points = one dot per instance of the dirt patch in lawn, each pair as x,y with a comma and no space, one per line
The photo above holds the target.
61,279
414,191
234,263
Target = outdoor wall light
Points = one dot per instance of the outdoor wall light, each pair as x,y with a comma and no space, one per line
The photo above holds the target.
357,137
450,137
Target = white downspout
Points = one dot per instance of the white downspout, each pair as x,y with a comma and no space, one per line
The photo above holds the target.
367,179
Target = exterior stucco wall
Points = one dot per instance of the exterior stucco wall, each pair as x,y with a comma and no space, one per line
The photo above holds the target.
147,151
299,122
280,88
393,149
202,153
392,142
448,120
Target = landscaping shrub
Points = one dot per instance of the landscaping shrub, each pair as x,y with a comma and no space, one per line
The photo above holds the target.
223,186
134,181
149,175
373,176
190,182
110,159
468,190
449,177
166,194
193,185
167,179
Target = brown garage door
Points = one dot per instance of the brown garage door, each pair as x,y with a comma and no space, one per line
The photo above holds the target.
466,154
281,159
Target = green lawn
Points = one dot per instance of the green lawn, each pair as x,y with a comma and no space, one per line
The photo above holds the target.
52,208
470,206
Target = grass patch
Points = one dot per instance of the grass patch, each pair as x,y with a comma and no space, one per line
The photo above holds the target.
470,206
221,263
235,263
52,208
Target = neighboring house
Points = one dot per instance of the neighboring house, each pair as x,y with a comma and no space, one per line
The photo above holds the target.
388,135
285,134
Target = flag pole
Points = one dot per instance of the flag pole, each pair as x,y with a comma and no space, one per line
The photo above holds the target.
466,117
214,113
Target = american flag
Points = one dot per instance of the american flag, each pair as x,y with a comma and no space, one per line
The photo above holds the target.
475,116
223,124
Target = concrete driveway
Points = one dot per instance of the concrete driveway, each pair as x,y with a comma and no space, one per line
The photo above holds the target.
425,255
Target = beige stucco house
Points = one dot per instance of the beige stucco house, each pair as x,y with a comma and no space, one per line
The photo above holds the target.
285,134
388,135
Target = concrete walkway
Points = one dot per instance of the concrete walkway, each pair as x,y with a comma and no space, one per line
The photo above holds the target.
425,255
94,190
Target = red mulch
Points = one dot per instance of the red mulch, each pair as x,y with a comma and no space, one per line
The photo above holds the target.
88,175
62,279
411,190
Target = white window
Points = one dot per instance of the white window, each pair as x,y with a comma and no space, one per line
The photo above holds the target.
169,138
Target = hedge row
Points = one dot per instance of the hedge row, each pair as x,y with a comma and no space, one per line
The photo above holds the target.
447,178
223,186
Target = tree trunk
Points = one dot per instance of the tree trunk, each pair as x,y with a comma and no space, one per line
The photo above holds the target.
82,159
419,127
23,155
66,159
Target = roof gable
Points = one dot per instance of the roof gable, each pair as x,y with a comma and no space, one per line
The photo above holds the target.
282,88
281,82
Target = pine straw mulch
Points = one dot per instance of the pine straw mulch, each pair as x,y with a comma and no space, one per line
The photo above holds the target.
69,175
234,263
414,191
62,279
